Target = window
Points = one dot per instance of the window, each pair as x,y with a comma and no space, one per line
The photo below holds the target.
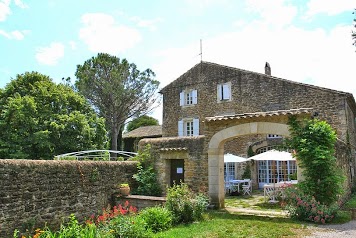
270,171
224,92
229,171
188,127
188,97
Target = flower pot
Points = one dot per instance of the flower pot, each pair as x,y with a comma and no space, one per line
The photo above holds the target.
124,191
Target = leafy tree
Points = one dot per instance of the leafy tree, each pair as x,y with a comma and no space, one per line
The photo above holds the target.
141,121
117,89
314,142
40,119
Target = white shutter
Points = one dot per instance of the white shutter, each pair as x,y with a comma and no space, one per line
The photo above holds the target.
220,92
195,127
195,96
181,98
226,90
180,128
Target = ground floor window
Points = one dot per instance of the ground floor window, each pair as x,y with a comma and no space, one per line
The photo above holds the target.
270,171
229,171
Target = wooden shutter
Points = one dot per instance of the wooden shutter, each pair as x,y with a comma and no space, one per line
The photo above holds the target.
220,92
180,128
181,98
226,92
195,96
195,127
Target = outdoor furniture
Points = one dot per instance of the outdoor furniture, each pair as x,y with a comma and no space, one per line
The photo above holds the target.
247,187
235,184
272,191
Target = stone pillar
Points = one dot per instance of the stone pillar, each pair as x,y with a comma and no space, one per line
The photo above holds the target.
216,177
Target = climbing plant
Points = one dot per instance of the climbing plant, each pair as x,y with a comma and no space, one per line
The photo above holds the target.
314,144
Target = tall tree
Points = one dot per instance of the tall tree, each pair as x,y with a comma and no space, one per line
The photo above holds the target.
40,119
117,89
141,121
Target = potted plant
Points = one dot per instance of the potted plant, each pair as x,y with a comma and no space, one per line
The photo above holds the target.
124,189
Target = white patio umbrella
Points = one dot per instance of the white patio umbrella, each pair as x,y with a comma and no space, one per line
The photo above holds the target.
230,158
273,155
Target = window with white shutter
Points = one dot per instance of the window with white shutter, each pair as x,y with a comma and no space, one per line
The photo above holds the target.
188,97
188,127
224,92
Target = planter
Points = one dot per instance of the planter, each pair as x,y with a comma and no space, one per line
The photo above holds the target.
124,191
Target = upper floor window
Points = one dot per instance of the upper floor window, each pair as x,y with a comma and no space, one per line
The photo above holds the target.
224,92
188,127
188,97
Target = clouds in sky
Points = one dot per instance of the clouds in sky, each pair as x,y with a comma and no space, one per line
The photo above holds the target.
101,33
330,7
50,55
5,10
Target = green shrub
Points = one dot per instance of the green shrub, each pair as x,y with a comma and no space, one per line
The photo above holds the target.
157,218
313,142
305,207
185,206
146,178
128,226
147,184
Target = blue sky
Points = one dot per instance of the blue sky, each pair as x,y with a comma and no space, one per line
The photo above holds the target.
307,41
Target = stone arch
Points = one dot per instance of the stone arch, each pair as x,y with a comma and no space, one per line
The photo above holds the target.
216,153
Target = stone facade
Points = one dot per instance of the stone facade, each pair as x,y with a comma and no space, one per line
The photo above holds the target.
252,92
235,108
34,193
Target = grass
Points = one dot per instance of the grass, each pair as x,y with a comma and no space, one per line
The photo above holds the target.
256,202
223,224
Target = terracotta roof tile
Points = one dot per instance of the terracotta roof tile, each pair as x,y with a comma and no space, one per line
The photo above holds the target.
260,114
144,132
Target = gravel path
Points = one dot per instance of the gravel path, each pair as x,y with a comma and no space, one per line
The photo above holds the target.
346,230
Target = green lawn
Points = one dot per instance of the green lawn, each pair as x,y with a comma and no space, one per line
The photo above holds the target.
222,224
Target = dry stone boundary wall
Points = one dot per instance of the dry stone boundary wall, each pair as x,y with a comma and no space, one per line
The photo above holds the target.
37,192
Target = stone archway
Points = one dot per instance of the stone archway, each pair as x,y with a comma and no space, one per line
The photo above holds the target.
216,153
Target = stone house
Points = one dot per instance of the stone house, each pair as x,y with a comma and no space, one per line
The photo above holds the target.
213,109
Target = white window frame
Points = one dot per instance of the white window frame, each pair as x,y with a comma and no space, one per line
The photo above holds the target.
188,97
224,92
188,127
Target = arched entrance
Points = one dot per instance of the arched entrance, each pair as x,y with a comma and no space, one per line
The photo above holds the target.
216,153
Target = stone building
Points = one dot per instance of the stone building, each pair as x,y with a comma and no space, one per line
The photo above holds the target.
132,138
212,109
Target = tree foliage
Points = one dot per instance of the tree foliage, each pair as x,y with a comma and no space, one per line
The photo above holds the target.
117,89
40,119
314,142
141,121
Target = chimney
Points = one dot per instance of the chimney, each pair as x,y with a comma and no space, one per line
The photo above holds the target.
267,69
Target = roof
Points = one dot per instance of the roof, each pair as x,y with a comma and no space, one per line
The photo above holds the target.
261,114
144,132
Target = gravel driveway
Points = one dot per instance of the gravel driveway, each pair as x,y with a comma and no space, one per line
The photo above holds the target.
346,230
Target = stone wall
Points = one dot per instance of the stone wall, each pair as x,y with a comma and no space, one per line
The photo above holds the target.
34,193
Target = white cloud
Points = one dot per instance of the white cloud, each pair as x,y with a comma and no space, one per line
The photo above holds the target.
329,7
102,34
50,55
4,9
146,23
20,4
276,12
14,35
